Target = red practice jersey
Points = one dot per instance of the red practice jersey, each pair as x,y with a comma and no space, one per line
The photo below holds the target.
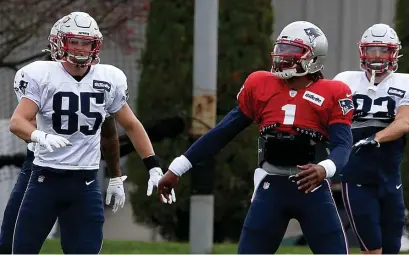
267,99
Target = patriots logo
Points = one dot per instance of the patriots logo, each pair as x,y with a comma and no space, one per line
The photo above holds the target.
312,33
346,105
126,95
22,86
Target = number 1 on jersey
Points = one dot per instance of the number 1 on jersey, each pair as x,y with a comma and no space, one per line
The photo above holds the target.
289,113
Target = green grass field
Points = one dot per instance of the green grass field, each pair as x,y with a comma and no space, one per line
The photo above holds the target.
127,247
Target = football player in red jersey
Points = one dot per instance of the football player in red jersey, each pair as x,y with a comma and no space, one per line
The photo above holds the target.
297,111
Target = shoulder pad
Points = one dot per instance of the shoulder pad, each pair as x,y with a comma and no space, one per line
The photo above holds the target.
262,84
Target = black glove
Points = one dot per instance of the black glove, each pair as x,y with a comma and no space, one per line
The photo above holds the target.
367,142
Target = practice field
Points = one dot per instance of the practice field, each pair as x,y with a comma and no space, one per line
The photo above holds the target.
127,247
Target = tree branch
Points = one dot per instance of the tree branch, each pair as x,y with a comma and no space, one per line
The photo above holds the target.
15,64
18,24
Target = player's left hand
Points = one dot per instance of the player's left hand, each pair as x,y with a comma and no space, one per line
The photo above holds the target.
116,190
310,177
155,174
367,142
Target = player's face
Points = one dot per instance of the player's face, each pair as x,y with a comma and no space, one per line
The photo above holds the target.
288,49
79,49
287,55
78,46
378,57
378,52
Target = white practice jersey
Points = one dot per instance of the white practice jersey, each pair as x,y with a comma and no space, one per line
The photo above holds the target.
72,109
376,105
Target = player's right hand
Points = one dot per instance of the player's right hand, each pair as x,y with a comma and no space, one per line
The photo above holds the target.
49,141
155,174
166,185
116,189
367,142
311,176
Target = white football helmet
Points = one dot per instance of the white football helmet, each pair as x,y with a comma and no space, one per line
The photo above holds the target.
78,28
300,49
379,49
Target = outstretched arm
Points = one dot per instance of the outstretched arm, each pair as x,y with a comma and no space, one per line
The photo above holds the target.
212,142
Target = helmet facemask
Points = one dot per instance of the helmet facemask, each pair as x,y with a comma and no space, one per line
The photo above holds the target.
79,50
53,46
379,58
291,58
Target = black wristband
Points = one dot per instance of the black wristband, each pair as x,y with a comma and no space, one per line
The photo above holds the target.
151,162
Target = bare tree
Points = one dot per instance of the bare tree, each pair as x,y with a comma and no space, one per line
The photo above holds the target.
23,20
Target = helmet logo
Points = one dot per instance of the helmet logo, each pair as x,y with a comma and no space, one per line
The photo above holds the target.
312,33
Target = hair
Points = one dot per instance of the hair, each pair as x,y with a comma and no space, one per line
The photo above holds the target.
315,76
47,56
311,76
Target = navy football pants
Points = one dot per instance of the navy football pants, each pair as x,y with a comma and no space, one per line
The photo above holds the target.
72,196
278,200
13,204
376,214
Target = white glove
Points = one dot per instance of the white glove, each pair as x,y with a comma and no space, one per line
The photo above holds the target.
116,189
259,175
48,140
155,174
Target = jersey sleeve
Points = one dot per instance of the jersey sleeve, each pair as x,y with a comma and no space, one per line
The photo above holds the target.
247,96
340,77
26,87
404,100
343,106
20,85
120,95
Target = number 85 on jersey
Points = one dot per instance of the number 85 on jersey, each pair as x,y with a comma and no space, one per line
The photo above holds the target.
69,109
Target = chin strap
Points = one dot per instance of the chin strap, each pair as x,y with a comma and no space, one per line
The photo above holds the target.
372,80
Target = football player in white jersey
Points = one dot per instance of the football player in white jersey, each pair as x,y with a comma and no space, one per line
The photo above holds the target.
109,141
109,148
371,182
71,99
